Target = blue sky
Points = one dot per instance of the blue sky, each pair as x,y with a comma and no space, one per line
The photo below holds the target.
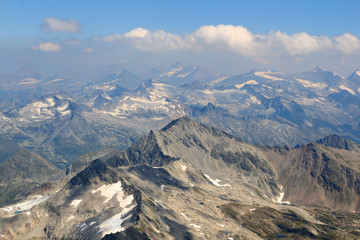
226,36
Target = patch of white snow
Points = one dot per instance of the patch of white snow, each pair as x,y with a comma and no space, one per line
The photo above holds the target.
279,199
113,224
216,182
265,75
75,202
195,226
347,89
253,82
183,214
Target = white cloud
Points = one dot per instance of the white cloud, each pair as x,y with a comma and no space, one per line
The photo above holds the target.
60,25
146,40
88,50
234,38
48,47
237,39
299,43
347,43
137,33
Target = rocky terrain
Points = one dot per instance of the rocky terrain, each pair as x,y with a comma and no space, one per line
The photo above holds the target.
192,181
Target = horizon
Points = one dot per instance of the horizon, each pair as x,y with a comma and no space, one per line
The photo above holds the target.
230,38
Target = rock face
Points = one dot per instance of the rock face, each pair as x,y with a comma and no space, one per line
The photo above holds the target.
324,173
192,181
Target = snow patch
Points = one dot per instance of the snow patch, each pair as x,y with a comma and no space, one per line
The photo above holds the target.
75,202
104,95
60,109
171,72
183,167
113,224
29,204
206,91
110,190
216,182
253,209
81,226
253,99
213,82
24,206
265,75
27,81
70,218
221,225
162,187
195,226
65,112
253,82
357,73
184,74
308,84
347,89
280,198
7,209
183,214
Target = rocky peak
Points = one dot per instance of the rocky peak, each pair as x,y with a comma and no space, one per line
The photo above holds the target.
335,141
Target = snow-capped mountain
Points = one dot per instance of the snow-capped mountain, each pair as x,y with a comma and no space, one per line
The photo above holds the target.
264,107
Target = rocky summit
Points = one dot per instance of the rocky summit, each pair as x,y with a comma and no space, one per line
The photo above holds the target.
192,181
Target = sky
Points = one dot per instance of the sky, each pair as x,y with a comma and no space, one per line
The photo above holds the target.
228,37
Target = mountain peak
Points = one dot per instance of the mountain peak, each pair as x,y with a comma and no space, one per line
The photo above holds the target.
179,122
335,141
355,75
27,72
318,69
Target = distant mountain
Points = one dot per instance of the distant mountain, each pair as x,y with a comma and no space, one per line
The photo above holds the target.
26,72
192,181
123,79
176,74
318,75
22,172
263,107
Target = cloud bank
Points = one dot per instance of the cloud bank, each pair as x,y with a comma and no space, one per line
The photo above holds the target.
47,47
60,25
238,39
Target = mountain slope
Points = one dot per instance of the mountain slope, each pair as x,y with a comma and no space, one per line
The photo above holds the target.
21,173
191,181
324,173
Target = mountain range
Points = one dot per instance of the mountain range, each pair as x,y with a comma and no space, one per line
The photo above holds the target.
62,118
192,181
